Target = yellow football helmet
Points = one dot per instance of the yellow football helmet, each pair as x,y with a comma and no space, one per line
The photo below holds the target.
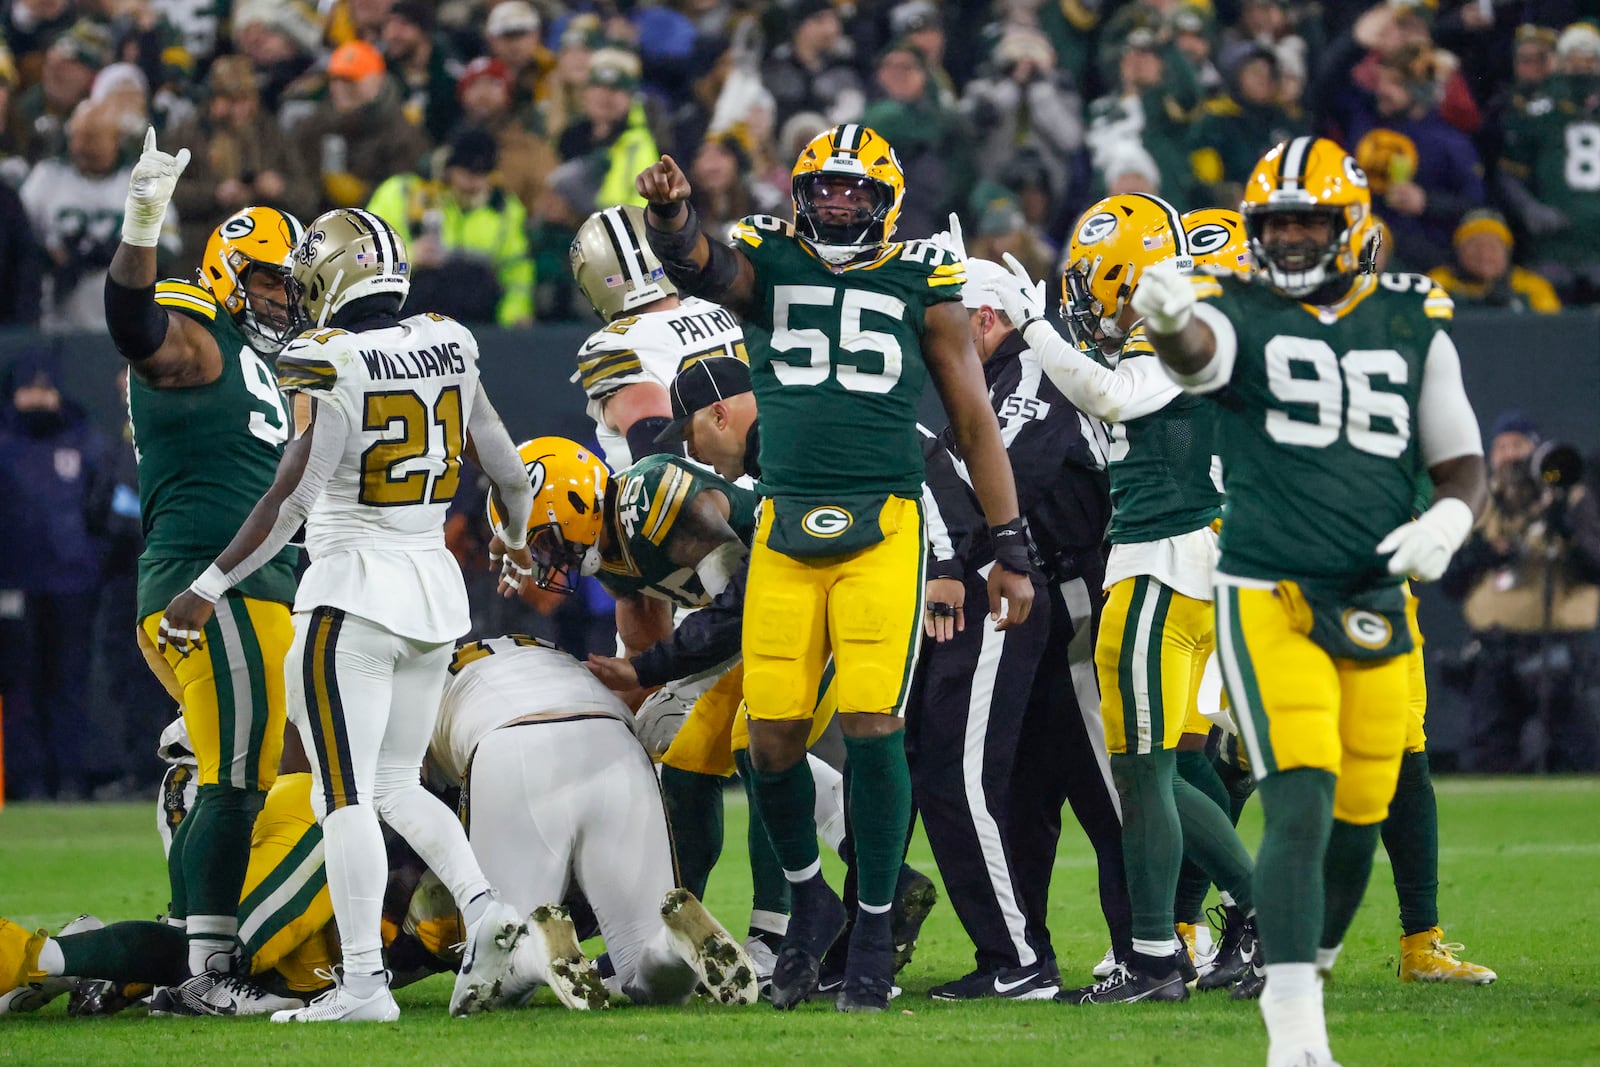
1310,175
614,264
346,254
850,158
1114,243
569,494
250,238
1217,240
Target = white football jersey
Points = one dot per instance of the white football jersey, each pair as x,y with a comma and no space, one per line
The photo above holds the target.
376,534
652,347
501,679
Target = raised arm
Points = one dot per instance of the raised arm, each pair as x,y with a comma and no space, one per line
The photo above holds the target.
695,263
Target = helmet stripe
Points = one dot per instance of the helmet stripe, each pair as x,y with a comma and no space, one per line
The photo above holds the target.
362,219
384,238
849,137
1174,223
1293,167
626,245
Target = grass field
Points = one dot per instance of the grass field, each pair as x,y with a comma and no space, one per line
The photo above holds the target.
1520,875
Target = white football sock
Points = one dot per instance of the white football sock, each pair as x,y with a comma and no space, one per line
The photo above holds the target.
829,810
358,871
660,976
212,941
434,832
1327,957
772,922
1291,1006
51,962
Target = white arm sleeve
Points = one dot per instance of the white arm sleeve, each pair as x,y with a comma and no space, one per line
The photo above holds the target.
1135,389
497,455
1447,428
1219,372
329,430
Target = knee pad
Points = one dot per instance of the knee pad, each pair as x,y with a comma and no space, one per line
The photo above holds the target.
870,657
779,633
1366,785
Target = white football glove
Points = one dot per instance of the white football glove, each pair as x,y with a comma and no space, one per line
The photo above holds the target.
659,719
1422,549
1022,301
951,240
1164,298
150,189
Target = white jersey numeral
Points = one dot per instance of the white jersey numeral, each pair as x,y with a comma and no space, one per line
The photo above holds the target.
1342,394
1583,157
817,364
270,423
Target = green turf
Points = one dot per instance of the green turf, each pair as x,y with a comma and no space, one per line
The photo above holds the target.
1521,881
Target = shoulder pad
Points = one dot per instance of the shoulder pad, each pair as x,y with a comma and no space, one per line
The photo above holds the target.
753,229
188,298
305,363
607,355
941,264
1136,343
1207,286
1436,303
674,486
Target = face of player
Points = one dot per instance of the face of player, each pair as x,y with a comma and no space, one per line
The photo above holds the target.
1297,240
264,292
842,201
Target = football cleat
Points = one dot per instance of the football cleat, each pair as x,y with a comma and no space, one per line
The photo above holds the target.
1126,985
762,948
1427,957
817,918
1253,982
212,994
725,971
339,1005
34,991
1010,983
864,994
1107,964
486,959
97,998
914,898
550,956
869,968
1236,952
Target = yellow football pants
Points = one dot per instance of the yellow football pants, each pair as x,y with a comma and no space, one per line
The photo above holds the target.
1416,732
1297,706
864,609
285,912
1151,654
718,725
231,689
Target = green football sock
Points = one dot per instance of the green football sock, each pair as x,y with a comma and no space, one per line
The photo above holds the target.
1152,841
694,814
216,855
153,952
1411,837
1193,882
1346,869
1297,814
880,813
178,906
787,801
769,889
1240,784
1211,841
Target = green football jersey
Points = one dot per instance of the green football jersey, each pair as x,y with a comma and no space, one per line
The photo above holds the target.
1160,464
206,455
836,361
650,496
1553,144
1318,427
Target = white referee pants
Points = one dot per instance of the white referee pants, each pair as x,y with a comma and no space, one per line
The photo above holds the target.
557,802
364,700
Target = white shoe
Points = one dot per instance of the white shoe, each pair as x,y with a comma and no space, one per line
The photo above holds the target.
723,967
1299,1057
32,996
763,958
338,1005
550,955
231,994
1205,949
486,959
1107,964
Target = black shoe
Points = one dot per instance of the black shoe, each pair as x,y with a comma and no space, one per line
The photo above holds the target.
1006,983
1127,985
1254,981
869,972
817,918
863,993
1236,951
914,898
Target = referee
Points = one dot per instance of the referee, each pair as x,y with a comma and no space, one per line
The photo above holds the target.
1003,727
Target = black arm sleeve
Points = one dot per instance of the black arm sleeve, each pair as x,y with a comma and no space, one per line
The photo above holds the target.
704,639
711,281
642,438
137,323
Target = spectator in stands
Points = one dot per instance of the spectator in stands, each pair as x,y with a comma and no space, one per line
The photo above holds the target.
512,36
569,81
30,27
359,136
50,566
280,38
22,262
920,24
814,70
40,114
1550,173
467,236
660,36
1348,74
424,65
1425,173
75,205
1484,276
239,156
999,226
1025,103
356,20
724,191
1533,62
526,159
161,50
613,134
933,141
1191,28
1533,662
1150,107
123,90
1129,168
1234,130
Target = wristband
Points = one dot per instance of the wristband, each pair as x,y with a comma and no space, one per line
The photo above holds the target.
1013,547
210,586
141,222
669,210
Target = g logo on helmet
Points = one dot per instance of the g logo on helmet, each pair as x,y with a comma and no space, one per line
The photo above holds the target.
1353,171
1097,228
536,475
239,226
826,521
1367,628
1208,237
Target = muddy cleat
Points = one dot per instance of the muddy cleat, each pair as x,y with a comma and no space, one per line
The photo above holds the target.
1010,983
818,917
863,994
486,959
339,1005
1107,964
1236,952
549,955
724,969
36,990
914,897
1127,986
1427,957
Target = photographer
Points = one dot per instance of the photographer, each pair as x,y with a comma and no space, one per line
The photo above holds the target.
1527,581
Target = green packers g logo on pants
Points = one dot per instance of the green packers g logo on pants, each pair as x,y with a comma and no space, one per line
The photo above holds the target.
826,521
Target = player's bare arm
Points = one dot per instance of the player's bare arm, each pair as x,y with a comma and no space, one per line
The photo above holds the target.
702,539
957,374
641,622
1185,342
491,448
635,401
697,264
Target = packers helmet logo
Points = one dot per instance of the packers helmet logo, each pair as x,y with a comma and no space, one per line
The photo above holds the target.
1353,171
1097,228
826,521
1209,237
535,475
1367,628
239,227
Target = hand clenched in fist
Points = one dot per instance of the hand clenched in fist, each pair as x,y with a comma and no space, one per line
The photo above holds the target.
662,183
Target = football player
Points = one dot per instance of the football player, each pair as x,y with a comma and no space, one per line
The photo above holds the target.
1341,388
851,323
1157,631
209,429
390,407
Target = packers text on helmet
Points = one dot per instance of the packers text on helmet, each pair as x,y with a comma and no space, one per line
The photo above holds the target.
1309,181
847,187
1113,244
346,254
569,492
1217,240
252,238
614,264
